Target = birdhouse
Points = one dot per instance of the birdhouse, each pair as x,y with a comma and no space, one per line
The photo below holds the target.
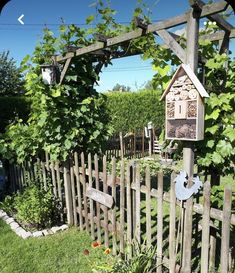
184,99
50,74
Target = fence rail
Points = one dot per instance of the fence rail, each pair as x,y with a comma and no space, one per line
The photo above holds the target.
120,205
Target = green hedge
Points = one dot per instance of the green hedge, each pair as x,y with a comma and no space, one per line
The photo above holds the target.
12,107
133,110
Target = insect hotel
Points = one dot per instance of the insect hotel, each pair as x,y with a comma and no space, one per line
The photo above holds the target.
184,98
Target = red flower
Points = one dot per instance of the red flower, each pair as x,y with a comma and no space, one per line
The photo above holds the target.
96,244
86,252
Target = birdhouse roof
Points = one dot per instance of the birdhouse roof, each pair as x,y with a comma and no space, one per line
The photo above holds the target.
185,69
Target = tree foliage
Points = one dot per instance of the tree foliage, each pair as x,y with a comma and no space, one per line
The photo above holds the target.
11,83
133,110
12,108
121,88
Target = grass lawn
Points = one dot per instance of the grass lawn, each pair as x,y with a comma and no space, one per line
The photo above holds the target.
58,253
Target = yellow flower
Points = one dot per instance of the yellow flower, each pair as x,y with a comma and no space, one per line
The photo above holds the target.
107,251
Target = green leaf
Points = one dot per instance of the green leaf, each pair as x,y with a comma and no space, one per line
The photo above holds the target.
210,143
56,93
214,115
230,133
217,158
212,129
224,148
90,19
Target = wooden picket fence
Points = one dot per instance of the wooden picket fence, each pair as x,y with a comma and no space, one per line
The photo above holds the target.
129,145
118,204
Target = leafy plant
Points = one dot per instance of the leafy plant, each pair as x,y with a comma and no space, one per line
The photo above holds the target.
133,110
36,207
8,204
143,261
217,197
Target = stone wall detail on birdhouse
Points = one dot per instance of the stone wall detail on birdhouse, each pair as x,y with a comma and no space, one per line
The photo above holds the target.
185,106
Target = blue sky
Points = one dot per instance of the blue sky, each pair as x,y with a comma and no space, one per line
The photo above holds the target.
21,39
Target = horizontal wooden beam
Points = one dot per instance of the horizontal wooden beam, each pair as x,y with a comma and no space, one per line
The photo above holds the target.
172,22
221,22
217,36
208,9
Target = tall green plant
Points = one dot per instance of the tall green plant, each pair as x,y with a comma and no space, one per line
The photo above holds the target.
133,110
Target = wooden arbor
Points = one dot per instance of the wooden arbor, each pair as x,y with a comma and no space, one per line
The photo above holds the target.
190,57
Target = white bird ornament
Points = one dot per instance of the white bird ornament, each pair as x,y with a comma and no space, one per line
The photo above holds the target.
183,193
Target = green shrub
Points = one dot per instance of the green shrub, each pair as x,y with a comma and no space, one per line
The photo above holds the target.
133,110
8,204
37,207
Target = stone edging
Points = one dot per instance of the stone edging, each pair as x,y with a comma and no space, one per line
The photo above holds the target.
27,234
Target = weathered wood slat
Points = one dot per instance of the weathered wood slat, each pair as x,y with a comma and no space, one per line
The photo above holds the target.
97,185
68,194
172,44
137,206
226,229
148,208
221,22
44,175
205,229
172,230
172,22
52,167
105,190
73,194
84,190
91,201
113,219
122,208
129,212
159,222
217,36
125,37
210,9
65,68
57,169
76,171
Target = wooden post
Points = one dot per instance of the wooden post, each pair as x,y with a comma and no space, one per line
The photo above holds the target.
114,224
143,150
91,201
79,193
159,221
68,193
137,205
188,151
205,229
148,208
122,207
129,214
172,233
150,142
224,256
105,190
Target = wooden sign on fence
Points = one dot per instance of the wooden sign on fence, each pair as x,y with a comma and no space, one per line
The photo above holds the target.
99,196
